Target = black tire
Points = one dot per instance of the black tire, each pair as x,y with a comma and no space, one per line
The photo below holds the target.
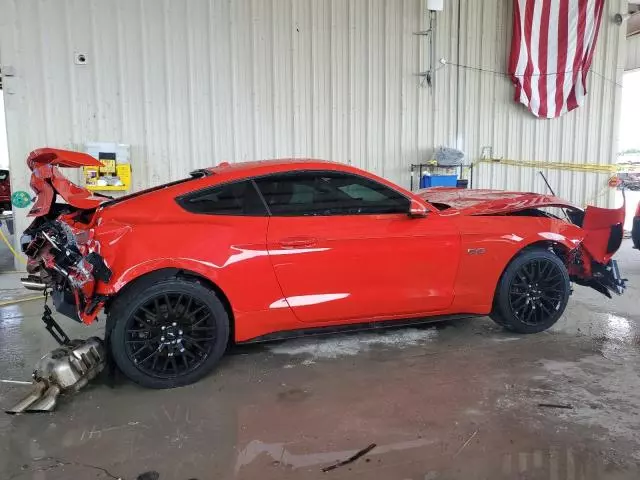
532,293
635,232
150,314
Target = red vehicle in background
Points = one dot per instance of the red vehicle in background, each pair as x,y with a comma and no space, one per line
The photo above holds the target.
260,250
5,191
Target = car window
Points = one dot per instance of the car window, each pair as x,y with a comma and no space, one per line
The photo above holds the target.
238,198
328,193
3,175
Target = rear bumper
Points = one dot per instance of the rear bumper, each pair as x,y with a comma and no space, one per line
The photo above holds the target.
59,264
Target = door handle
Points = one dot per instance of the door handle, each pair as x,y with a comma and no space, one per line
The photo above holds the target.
297,242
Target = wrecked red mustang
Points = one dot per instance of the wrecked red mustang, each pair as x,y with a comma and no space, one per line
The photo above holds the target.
261,250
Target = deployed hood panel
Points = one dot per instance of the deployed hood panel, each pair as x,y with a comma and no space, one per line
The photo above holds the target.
602,226
488,202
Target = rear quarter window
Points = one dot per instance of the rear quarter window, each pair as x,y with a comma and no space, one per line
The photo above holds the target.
237,198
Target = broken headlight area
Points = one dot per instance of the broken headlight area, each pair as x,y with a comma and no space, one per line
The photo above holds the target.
59,264
604,278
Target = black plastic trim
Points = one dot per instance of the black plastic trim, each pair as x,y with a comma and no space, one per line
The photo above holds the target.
615,238
356,327
100,270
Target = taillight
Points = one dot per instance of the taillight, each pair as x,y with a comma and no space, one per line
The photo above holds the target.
638,210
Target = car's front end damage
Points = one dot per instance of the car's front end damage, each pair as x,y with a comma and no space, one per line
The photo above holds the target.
592,263
596,232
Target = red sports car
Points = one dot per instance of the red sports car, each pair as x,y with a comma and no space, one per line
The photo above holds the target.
5,191
261,250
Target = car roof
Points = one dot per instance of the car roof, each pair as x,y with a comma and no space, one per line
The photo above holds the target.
235,171
262,167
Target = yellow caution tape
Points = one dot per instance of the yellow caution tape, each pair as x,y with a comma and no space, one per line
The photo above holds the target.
571,167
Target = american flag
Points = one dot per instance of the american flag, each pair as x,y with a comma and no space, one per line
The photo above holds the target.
551,52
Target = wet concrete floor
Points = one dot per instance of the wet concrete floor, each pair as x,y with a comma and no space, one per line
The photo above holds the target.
459,400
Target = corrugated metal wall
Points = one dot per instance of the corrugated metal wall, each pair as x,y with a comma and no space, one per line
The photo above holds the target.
586,135
633,53
192,83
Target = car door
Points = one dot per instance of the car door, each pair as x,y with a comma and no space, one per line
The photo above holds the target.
228,232
344,248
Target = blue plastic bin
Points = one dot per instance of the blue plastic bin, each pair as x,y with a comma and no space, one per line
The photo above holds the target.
438,181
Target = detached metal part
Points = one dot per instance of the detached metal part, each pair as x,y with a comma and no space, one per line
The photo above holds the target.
64,370
33,283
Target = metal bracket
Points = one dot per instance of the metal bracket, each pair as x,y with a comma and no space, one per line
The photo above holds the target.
53,328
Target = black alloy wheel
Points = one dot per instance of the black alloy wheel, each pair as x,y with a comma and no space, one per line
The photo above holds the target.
532,293
536,291
167,333
170,334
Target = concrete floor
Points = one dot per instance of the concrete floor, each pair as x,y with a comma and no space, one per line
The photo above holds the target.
458,400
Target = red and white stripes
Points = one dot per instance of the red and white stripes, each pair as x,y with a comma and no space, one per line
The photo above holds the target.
551,52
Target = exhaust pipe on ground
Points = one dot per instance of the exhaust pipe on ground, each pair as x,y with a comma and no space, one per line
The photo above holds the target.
48,400
30,399
43,398
64,370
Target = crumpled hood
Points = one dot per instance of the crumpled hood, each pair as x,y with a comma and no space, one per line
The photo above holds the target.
487,202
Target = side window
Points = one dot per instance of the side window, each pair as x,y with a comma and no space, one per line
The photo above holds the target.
328,193
238,198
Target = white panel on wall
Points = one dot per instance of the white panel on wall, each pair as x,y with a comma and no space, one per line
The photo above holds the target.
191,84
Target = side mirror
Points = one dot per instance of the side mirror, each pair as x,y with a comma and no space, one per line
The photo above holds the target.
417,210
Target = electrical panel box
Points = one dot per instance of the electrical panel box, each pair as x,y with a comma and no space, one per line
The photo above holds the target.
115,172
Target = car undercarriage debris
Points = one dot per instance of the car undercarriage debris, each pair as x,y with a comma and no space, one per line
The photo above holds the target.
66,369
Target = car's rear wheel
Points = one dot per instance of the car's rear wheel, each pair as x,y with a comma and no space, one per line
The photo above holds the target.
532,293
169,333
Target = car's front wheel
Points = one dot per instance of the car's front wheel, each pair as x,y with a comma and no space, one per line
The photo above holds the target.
167,333
532,293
